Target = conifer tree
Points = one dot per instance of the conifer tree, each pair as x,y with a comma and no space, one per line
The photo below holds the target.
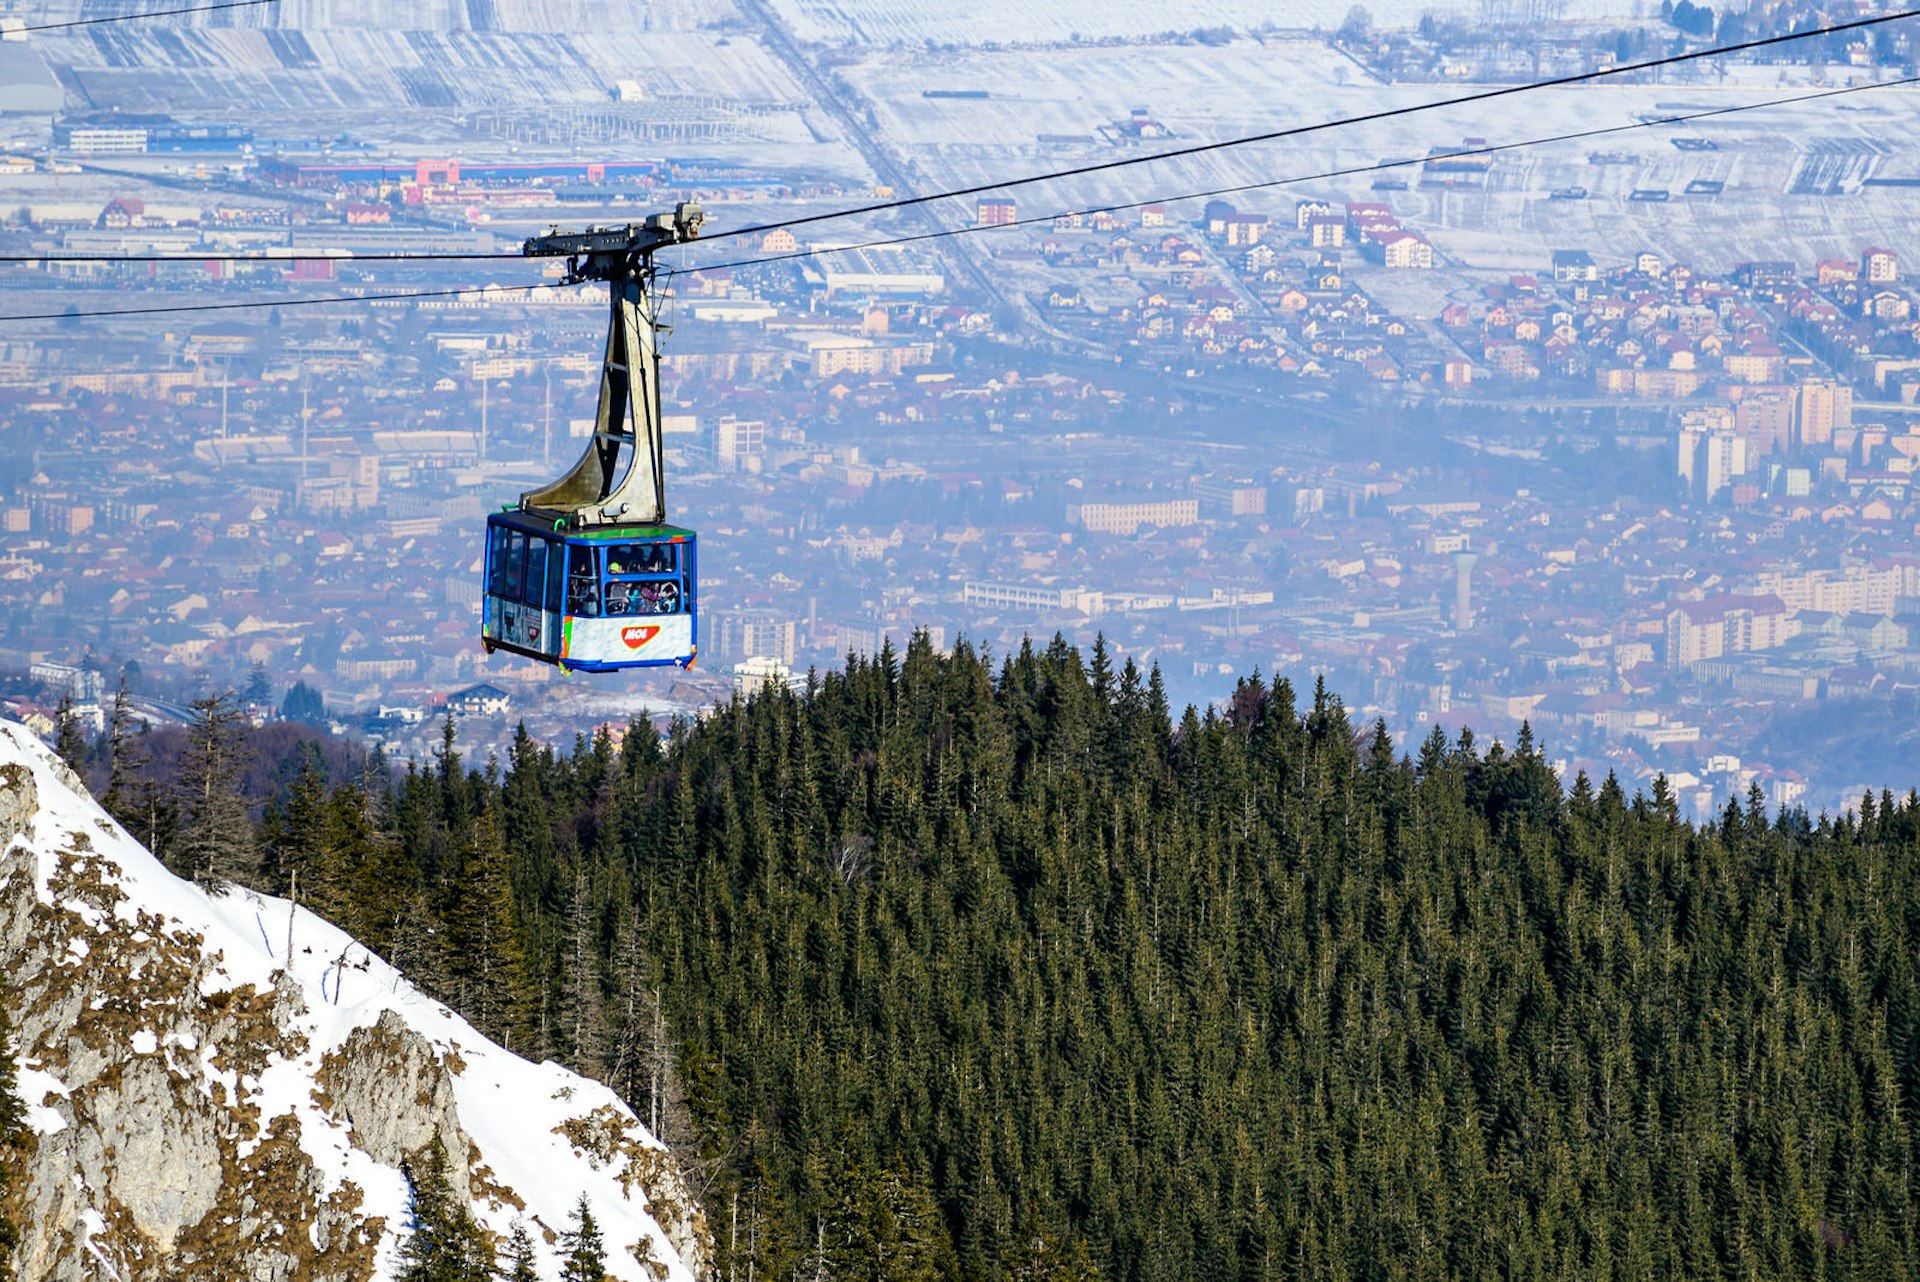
583,1007
70,742
519,1263
295,836
125,761
1039,1255
583,1255
259,689
13,1131
304,704
216,840
443,1244
486,955
368,874
639,1022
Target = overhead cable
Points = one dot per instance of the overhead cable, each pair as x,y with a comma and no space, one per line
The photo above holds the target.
1274,135
1346,172
887,242
278,302
139,17
1102,166
287,254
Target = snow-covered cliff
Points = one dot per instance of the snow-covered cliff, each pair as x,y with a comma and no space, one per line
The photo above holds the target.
225,1086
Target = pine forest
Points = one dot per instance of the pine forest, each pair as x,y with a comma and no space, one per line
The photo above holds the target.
969,967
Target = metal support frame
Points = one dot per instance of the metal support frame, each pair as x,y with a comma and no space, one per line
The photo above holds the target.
594,491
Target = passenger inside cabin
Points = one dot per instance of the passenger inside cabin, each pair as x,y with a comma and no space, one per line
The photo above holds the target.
583,585
640,558
658,598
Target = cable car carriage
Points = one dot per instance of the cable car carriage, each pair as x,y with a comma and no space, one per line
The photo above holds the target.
624,597
586,573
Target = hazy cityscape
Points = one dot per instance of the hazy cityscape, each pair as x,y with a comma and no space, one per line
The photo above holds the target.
1614,435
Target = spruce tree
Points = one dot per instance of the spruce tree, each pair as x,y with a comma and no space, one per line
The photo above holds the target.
295,835
582,1006
216,839
70,741
443,1244
519,1263
125,761
259,691
304,704
583,1255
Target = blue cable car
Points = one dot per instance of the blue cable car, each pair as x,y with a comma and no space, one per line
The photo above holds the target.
624,597
586,572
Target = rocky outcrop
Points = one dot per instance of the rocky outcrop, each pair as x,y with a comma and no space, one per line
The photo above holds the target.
396,1095
205,1103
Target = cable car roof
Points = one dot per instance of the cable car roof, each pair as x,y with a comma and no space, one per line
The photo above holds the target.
534,523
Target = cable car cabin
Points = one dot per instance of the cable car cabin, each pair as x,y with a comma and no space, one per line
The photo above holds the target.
620,596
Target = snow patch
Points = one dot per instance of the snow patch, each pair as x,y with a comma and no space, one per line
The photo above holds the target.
517,1114
35,1085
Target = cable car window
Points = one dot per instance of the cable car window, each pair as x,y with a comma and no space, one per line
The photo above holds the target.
516,565
643,598
497,562
583,583
640,558
556,576
536,571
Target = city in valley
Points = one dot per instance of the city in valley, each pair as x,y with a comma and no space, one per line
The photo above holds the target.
1600,416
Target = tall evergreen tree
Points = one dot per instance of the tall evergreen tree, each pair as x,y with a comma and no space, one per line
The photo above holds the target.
444,1244
519,1264
296,837
125,762
259,688
304,704
583,1005
583,1255
216,839
70,741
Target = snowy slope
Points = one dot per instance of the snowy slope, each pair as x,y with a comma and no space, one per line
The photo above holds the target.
163,1035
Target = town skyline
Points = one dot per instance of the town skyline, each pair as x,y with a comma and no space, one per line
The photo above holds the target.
1464,435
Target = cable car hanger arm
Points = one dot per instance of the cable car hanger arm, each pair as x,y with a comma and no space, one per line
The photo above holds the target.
593,492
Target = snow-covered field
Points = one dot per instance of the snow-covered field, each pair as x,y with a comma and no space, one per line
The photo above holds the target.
1791,173
1792,176
596,16
381,67
511,1109
888,22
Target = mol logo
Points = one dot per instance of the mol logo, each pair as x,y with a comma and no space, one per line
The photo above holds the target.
639,635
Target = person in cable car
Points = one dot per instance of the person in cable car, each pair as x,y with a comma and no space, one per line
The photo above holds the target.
583,585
